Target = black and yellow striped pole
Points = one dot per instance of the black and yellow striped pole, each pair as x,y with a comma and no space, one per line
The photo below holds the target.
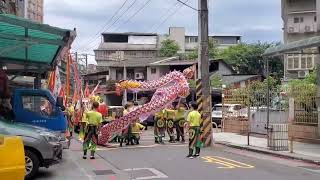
204,102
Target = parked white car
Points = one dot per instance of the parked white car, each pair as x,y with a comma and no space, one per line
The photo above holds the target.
231,110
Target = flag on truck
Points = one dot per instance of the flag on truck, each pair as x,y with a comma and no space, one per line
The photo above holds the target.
54,84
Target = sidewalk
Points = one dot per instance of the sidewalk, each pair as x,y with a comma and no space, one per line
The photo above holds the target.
302,151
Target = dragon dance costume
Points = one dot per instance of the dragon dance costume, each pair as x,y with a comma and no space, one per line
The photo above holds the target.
179,123
159,128
170,116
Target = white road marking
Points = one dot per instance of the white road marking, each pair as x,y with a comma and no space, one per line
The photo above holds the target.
158,174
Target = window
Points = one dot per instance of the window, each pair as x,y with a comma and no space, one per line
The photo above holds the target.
153,70
301,19
297,62
310,62
298,19
37,104
303,62
315,18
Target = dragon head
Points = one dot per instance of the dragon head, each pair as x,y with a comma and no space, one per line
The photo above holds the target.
189,72
126,84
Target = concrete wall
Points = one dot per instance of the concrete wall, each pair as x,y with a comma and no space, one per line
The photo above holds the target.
309,132
300,5
178,34
226,40
307,9
160,71
239,126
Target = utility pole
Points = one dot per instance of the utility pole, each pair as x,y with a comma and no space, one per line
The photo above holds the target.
203,71
318,88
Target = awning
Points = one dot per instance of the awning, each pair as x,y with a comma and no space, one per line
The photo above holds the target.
293,46
31,48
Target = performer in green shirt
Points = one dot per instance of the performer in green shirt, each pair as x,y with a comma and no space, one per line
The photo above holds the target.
170,116
194,121
93,120
179,121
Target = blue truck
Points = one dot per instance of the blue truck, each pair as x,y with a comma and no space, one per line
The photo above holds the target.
38,107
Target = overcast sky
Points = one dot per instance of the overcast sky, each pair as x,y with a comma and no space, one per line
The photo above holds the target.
253,19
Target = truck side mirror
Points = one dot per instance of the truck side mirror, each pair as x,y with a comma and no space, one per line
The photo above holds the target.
59,103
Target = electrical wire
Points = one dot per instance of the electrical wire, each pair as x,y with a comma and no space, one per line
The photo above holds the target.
114,22
133,15
170,15
184,3
105,25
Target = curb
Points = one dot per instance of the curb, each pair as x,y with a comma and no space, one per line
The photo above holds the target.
269,152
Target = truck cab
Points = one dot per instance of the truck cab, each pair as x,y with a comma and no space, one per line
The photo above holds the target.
39,108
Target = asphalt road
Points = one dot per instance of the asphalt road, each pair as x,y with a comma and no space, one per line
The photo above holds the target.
149,161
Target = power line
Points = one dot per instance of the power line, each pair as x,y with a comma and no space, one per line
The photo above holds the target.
114,22
98,33
184,3
170,15
133,15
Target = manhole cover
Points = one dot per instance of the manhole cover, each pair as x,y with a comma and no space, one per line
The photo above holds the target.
103,172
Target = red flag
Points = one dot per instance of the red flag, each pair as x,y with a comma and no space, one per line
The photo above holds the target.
62,93
51,80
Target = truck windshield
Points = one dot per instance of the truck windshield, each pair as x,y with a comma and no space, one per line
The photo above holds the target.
37,104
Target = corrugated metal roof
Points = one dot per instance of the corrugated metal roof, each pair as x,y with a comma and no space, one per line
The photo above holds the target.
293,46
24,42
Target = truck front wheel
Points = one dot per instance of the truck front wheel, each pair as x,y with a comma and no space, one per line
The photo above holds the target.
32,164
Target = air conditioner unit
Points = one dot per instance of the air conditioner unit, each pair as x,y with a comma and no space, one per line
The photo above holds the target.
291,30
302,74
139,76
307,28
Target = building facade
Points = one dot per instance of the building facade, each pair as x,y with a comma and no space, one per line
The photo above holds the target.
31,9
189,43
300,20
125,46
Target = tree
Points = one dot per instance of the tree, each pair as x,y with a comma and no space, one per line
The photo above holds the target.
213,51
247,59
169,48
216,81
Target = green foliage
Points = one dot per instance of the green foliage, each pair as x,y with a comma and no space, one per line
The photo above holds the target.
192,55
247,59
254,94
216,81
303,90
169,48
192,83
213,51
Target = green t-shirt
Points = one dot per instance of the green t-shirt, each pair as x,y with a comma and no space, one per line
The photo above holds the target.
194,118
94,118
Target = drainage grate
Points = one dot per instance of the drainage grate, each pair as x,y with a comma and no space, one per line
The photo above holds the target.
103,172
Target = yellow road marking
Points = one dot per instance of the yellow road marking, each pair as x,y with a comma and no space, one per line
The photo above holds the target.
227,163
